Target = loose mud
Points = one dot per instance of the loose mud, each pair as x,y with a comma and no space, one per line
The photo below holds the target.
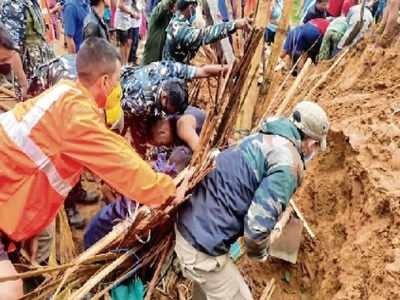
351,194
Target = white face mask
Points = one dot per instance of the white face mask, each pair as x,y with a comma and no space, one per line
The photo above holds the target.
309,157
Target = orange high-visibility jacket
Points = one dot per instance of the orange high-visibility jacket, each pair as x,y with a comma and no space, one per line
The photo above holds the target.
44,145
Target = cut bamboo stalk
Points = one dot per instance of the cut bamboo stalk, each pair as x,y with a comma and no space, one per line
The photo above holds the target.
276,49
125,276
7,92
44,270
116,233
157,273
248,104
278,91
271,293
301,217
327,73
293,89
94,280
266,294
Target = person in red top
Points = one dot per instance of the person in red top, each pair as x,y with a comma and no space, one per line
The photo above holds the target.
47,141
337,8
321,24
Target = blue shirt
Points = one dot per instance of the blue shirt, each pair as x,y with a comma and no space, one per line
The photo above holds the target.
301,39
75,12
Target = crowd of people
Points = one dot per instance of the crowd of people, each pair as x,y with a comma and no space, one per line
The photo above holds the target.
326,28
76,110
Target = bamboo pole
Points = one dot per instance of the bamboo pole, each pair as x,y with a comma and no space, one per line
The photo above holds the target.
116,233
268,291
289,96
79,294
276,49
301,217
45,270
293,89
327,73
157,273
267,88
126,275
279,90
248,103
7,92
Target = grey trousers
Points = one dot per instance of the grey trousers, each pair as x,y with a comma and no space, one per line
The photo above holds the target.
214,278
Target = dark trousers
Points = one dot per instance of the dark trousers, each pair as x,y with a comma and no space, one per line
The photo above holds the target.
135,44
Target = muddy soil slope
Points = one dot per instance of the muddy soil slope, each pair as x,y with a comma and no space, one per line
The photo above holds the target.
351,194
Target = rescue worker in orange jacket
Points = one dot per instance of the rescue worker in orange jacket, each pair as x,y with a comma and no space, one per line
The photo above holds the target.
47,141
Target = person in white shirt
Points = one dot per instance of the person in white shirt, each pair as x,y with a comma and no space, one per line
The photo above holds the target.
124,21
135,33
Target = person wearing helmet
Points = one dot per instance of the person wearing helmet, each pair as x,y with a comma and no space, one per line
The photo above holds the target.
184,40
155,91
244,195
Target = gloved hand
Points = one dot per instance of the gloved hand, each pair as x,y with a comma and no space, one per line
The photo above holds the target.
256,250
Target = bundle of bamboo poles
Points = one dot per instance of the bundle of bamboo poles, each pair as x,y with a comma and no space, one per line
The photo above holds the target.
7,99
145,237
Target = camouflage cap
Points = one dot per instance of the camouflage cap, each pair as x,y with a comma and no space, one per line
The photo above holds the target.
312,120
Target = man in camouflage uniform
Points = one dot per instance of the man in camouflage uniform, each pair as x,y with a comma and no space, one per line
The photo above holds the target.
183,40
24,21
245,194
48,74
155,91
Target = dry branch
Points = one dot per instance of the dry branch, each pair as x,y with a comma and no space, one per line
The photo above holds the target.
157,273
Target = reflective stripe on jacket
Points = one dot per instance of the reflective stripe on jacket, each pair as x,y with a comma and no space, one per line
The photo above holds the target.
44,145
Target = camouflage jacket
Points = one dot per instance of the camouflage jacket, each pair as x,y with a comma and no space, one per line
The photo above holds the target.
274,155
246,192
141,87
48,74
14,16
183,40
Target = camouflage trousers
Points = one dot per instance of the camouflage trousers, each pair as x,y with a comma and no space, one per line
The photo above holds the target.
34,55
329,44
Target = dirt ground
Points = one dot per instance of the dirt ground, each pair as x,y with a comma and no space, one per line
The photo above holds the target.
351,194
